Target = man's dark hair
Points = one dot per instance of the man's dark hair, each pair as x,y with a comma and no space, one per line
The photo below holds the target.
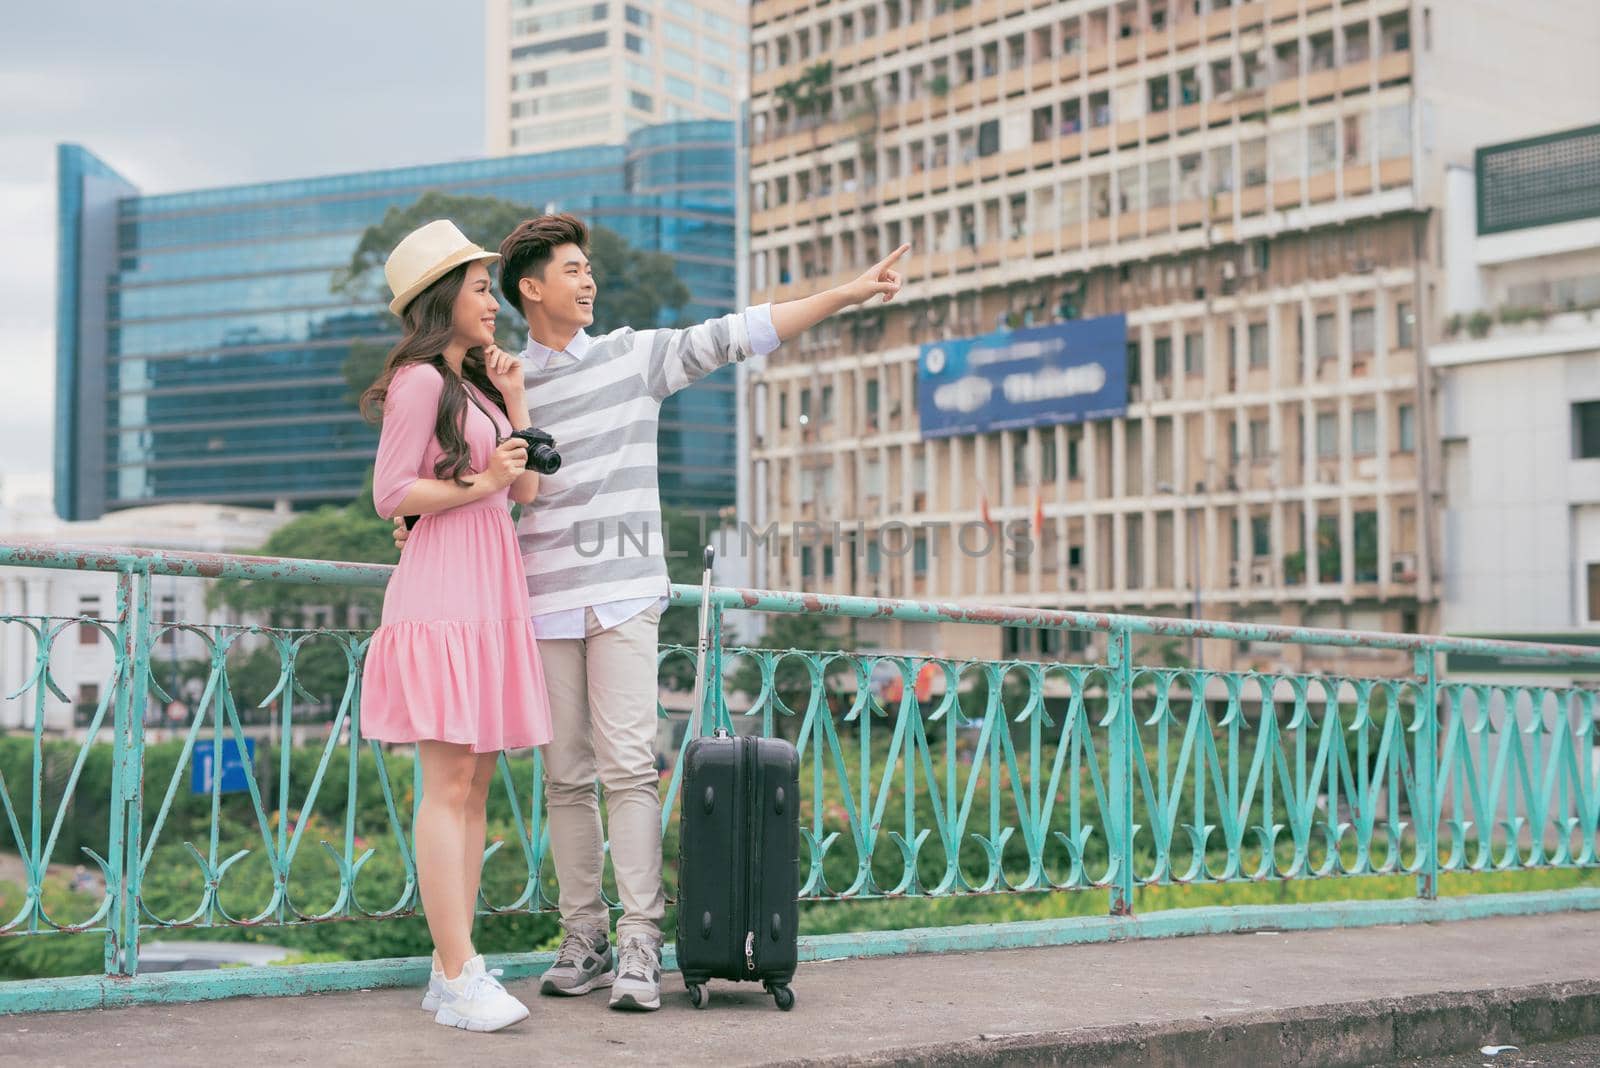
527,251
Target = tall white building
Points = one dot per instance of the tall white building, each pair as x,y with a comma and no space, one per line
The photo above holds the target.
565,75
1519,375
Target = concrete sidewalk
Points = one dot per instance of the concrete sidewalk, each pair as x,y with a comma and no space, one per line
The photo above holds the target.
1324,997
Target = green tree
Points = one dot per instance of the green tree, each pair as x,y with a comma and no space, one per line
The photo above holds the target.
353,532
636,288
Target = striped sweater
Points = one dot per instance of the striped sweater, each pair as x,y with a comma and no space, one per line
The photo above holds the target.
594,533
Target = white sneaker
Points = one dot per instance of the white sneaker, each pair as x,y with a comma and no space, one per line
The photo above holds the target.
435,993
475,1001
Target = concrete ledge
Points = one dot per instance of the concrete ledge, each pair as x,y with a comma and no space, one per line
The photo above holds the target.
1323,1036
102,992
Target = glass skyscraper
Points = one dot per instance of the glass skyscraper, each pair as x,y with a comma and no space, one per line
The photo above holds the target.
201,346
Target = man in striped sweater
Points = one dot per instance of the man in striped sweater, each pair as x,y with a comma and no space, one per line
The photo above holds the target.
594,552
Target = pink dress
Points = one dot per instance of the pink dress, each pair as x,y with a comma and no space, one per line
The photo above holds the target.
454,659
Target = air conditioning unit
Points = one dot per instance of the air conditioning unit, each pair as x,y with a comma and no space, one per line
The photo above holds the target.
1405,567
1261,573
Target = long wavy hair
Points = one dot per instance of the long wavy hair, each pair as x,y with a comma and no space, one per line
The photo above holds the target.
429,328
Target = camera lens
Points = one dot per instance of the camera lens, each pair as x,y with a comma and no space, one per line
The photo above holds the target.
544,459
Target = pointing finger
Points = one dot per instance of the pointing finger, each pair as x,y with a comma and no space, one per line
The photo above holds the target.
889,260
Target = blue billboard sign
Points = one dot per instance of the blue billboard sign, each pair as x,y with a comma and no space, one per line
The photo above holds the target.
1038,376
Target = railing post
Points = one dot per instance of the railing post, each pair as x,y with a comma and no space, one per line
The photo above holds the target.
127,773
1427,772
1119,821
715,707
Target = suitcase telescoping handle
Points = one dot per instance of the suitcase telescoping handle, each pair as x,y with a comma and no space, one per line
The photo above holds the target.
703,643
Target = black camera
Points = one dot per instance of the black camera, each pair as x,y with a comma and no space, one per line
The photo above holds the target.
542,455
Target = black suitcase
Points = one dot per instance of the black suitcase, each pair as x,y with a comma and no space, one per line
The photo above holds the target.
738,856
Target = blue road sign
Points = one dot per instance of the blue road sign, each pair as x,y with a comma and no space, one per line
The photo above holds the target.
205,765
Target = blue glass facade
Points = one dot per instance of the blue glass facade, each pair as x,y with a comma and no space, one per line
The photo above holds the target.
201,347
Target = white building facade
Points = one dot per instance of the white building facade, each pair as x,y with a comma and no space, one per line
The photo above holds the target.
1519,398
82,656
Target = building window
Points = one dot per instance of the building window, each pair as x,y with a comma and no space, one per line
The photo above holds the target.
636,44
1260,441
1586,430
989,138
1163,357
1258,344
1193,354
1072,458
783,410
919,554
872,478
874,558
679,87
1261,536
1407,434
805,407
1363,330
1253,162
825,413
1047,455
872,402
87,633
1322,147
1364,432
680,61
586,42
680,35
641,101
1594,592
1404,322
1327,337
1019,458
1366,544
1327,435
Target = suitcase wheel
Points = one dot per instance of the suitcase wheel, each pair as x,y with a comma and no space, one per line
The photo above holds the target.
699,997
782,996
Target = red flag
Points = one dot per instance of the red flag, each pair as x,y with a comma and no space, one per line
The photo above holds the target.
983,506
1038,512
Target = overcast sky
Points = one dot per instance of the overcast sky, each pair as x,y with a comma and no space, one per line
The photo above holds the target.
184,94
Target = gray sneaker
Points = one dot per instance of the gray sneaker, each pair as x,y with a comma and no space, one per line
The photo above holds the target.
584,962
638,984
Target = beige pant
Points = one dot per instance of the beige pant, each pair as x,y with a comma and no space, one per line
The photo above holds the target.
603,712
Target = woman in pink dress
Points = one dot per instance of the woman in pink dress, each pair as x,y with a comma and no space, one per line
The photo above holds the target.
453,667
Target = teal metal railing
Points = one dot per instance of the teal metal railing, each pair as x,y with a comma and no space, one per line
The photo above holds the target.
1006,777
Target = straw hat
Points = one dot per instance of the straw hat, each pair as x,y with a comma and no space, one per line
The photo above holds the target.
426,255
